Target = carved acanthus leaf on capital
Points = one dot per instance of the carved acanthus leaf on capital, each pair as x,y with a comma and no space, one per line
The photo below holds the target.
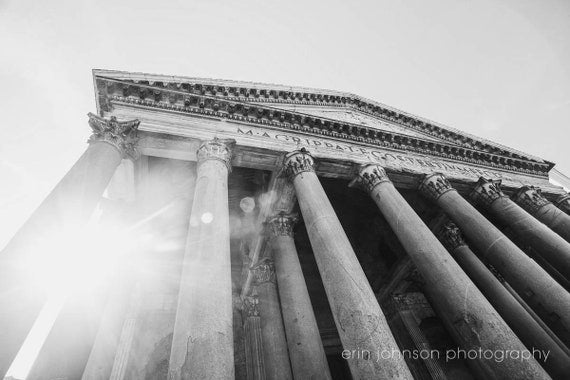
486,191
563,203
250,306
121,134
530,198
297,162
264,271
282,224
434,186
216,149
369,176
450,236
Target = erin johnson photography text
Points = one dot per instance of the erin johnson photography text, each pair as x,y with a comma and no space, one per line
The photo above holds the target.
448,355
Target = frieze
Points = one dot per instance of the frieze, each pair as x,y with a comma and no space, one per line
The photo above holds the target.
475,152
530,198
384,158
434,186
121,134
486,192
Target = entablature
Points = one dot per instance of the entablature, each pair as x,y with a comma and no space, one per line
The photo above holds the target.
178,137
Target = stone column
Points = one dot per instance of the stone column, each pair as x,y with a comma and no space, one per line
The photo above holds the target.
110,341
563,203
462,307
202,342
68,206
276,357
522,323
359,320
548,298
308,359
528,229
530,198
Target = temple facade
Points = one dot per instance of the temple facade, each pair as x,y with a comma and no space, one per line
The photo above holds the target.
294,233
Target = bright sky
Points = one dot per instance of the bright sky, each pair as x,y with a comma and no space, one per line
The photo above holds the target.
497,69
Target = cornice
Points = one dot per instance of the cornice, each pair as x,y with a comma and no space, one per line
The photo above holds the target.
218,101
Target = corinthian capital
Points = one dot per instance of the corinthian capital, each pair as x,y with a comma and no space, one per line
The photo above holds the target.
563,203
486,191
297,162
216,149
450,236
434,186
369,176
264,271
282,224
121,134
530,198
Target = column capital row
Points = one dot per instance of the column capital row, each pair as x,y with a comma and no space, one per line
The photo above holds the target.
121,134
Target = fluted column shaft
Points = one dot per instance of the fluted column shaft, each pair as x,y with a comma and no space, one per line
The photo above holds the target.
358,317
202,342
551,246
308,359
254,347
68,206
531,199
462,307
547,298
110,338
276,356
516,316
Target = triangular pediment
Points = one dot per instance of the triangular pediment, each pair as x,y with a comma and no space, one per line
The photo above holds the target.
324,112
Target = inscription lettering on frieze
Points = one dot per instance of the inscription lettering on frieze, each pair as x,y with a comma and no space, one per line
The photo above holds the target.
386,159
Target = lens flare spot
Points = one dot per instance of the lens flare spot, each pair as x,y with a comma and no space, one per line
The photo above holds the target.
207,218
247,204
